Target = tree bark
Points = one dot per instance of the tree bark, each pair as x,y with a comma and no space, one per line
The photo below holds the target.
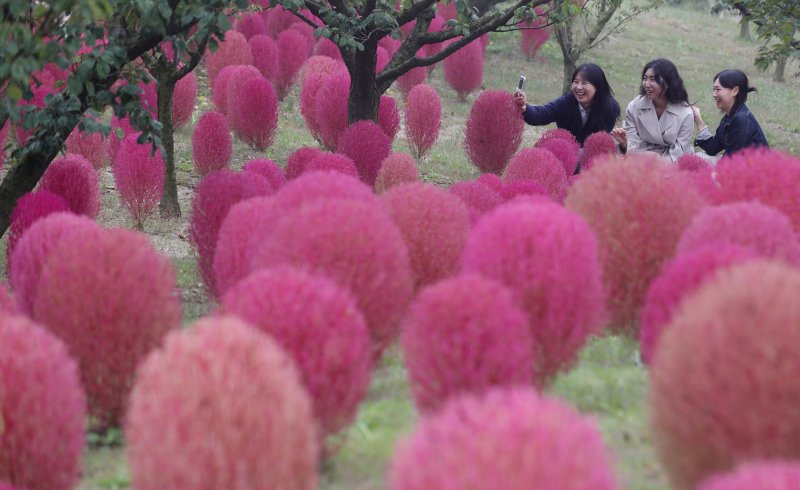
780,69
744,29
569,54
169,206
364,98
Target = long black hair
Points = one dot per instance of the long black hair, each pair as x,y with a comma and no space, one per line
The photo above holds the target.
735,78
668,79
603,102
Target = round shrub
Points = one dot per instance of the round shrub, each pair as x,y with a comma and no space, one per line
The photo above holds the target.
367,144
184,100
330,106
219,91
297,161
31,207
7,305
479,198
212,145
761,228
267,169
353,242
465,335
115,142
265,55
692,162
318,324
279,20
326,47
250,24
139,177
423,118
723,388
493,132
322,185
565,150
513,438
463,70
680,278
533,37
40,91
388,116
308,34
91,295
73,178
256,113
518,245
768,475
44,408
558,133
91,146
595,146
220,406
232,86
311,84
397,168
335,162
292,53
434,224
493,181
638,206
539,165
234,50
528,188
410,79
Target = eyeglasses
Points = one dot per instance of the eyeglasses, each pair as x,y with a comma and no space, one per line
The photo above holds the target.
717,90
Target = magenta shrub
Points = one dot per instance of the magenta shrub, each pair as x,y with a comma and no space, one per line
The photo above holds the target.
595,146
396,169
243,421
527,188
722,391
39,93
91,295
322,185
389,116
465,335
311,84
256,113
73,178
412,78
234,50
267,169
292,53
279,20
114,142
493,181
236,80
265,56
541,166
320,65
531,40
326,47
367,144
479,198
511,437
517,245
691,162
250,24
559,133
566,151
44,409
212,145
139,177
463,70
7,305
219,91
330,106
638,206
308,34
423,118
91,146
297,161
184,100
29,208
494,131
766,475
335,162
318,324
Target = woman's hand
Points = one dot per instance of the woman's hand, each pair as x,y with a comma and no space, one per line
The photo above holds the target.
519,99
621,136
698,119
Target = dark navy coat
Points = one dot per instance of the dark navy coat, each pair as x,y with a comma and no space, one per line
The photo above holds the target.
735,132
565,113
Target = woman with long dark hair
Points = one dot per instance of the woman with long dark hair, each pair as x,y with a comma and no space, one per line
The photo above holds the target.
660,120
738,128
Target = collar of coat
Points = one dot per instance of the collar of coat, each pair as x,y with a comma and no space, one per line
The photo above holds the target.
644,103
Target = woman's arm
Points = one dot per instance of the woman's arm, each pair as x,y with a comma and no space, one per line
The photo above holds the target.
539,115
710,144
630,126
738,133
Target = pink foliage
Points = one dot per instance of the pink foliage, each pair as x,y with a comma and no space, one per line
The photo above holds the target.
494,131
595,146
265,56
411,79
463,70
297,161
139,177
318,324
44,409
114,142
267,169
367,144
40,91
423,118
330,106
279,20
383,58
396,169
250,24
322,185
528,188
308,34
184,100
447,10
335,162
511,437
542,166
255,116
532,38
212,145
219,90
479,198
691,162
313,81
326,47
238,77
465,335
638,207
321,65
493,181
517,244
767,475
559,133
220,406
722,391
292,53
92,146
149,96
29,208
566,151
234,50
389,116
73,178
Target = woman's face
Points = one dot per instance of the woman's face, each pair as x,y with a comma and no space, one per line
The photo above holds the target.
583,90
724,97
651,87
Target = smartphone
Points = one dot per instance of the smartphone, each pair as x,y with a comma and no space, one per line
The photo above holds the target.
521,84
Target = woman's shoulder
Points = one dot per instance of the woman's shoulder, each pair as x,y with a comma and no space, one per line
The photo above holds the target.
681,109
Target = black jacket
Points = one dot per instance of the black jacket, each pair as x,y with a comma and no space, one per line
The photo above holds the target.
565,113
735,132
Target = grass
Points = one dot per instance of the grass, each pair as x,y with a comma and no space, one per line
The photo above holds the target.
609,382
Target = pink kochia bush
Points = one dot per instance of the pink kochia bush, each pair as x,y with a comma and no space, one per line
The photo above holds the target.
509,438
723,384
434,224
423,119
184,100
220,406
267,169
335,162
265,55
638,207
463,70
494,131
297,161
353,242
533,37
292,53
318,324
564,149
542,166
389,116
232,87
681,277
91,295
330,108
73,178
767,475
596,146
92,146
30,208
43,410
367,144
761,228
397,168
212,145
548,257
478,197
465,335
256,113
234,50
139,176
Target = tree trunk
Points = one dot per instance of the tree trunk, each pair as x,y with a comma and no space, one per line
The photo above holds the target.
364,98
780,68
744,29
568,52
169,206
22,178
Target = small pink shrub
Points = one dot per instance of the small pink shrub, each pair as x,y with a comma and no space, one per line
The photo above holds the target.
479,198
73,178
542,166
423,118
44,409
767,475
219,91
532,39
494,131
559,133
334,162
149,96
465,335
40,91
250,24
322,185
566,151
527,188
184,100
326,47
511,437
31,207
234,50
238,77
115,142
322,65
411,79
367,144
243,421
212,145
691,162
308,34
493,181
267,169
279,20
139,177
596,146
92,146
396,169
292,53
265,56
463,70
256,114
330,106
389,116
312,83
7,305
297,161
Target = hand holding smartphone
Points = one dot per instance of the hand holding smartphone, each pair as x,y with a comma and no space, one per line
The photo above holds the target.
519,95
521,84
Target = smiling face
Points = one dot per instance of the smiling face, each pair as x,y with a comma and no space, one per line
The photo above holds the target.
583,90
724,97
651,87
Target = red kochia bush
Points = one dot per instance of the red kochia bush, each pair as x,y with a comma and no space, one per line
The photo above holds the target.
680,278
311,84
434,224
92,146
367,144
256,113
91,295
234,50
532,39
322,185
219,91
139,176
411,79
265,56
335,162
30,208
389,116
250,24
423,118
73,178
539,165
518,245
114,142
463,70
638,206
565,150
465,335
318,324
184,100
596,145
494,131
292,53
331,108
353,242
220,406
397,168
239,75
761,228
511,437
326,47
44,409
267,169
767,475
297,161
692,162
279,20
212,145
723,384
479,198
7,304
528,188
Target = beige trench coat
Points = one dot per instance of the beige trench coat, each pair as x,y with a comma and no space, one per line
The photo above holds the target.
670,136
